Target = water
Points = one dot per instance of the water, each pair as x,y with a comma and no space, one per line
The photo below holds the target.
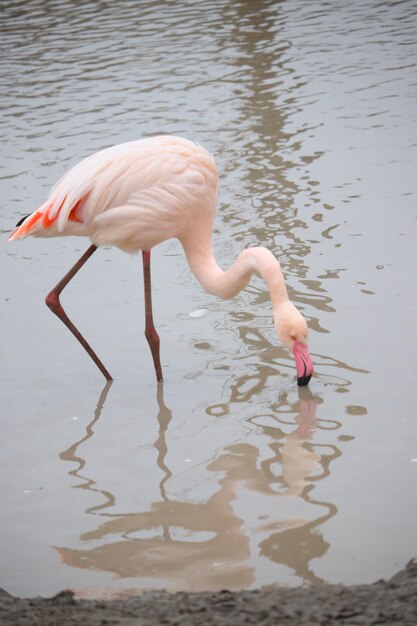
226,476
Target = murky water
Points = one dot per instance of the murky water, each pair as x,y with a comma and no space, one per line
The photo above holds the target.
226,476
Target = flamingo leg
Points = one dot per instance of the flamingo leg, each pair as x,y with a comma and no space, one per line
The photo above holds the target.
53,302
150,331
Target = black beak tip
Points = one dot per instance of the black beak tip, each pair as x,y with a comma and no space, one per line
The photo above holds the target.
303,381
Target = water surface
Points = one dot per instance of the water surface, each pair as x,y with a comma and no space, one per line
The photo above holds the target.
227,475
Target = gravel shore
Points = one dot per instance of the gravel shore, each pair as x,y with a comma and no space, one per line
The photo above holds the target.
384,602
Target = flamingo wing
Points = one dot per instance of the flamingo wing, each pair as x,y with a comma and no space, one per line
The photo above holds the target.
65,207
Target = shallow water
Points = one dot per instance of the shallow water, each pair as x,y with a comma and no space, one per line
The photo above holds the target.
226,475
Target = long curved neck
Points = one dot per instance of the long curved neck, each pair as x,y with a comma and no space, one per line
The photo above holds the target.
227,284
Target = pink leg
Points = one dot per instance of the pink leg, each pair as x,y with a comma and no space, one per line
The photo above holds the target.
150,332
52,300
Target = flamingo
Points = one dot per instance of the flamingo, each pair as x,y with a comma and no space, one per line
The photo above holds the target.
138,194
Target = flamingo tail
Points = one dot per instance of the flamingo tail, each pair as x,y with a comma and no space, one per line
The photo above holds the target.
43,218
27,225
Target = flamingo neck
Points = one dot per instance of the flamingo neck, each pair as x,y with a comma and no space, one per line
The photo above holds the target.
227,284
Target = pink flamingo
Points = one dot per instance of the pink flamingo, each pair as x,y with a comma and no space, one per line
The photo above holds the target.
138,194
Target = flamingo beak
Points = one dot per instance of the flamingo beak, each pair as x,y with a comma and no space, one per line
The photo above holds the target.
303,363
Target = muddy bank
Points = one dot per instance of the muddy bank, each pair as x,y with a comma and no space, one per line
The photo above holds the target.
384,602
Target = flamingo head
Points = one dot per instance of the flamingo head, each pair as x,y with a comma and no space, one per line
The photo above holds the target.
292,329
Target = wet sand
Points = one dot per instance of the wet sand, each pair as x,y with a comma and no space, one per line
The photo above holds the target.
384,602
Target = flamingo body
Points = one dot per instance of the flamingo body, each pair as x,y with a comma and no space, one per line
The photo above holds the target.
136,195
132,196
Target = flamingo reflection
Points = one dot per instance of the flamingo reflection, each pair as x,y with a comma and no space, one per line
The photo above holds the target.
194,545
